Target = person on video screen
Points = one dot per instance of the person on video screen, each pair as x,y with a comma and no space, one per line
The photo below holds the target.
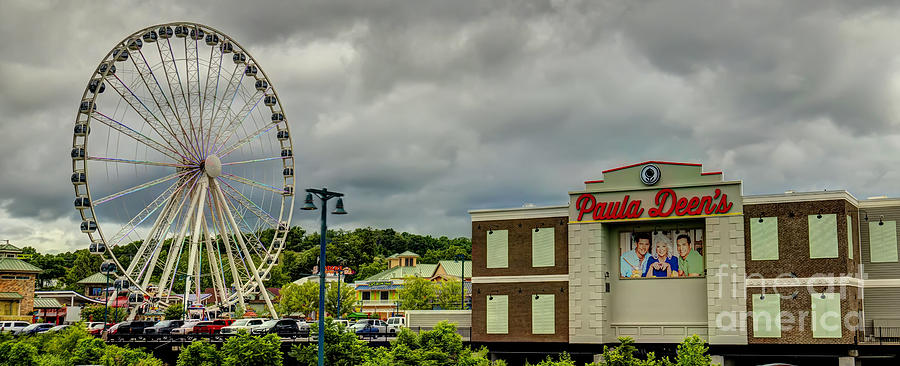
634,262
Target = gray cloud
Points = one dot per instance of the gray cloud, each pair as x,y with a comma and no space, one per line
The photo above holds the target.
422,110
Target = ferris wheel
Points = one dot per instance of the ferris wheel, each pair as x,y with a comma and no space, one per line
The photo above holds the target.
181,152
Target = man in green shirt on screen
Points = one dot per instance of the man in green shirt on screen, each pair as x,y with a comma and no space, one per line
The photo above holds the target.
690,263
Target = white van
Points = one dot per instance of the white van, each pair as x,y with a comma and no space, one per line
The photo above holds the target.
12,326
397,321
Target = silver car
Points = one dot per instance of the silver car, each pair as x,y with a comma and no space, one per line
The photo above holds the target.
187,327
245,324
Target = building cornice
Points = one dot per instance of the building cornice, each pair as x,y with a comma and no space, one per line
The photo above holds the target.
520,213
800,197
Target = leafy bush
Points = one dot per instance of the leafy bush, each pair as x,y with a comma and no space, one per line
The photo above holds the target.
72,346
174,311
441,346
199,353
341,348
247,350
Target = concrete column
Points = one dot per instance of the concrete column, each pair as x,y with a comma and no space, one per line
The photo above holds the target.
847,361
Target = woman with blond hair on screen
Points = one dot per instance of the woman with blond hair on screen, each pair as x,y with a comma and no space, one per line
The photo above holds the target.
662,263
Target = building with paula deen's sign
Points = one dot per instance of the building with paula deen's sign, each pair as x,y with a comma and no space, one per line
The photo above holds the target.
659,251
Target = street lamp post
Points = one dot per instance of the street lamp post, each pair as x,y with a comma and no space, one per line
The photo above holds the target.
324,194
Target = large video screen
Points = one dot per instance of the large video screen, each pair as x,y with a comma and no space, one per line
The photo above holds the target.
661,254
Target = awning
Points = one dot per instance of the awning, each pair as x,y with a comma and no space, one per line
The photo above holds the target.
44,303
10,296
383,288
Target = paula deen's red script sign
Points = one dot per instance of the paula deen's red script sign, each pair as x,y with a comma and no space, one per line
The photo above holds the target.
663,203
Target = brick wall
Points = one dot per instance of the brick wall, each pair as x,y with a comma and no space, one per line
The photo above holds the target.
520,233
21,287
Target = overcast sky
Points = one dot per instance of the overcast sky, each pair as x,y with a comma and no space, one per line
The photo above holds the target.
422,110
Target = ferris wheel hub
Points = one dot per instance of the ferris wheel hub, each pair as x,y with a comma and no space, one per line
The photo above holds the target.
212,166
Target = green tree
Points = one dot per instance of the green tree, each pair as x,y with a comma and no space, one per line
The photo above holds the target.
448,294
564,360
84,264
199,353
239,312
115,355
88,351
417,293
441,346
96,313
18,353
303,299
174,311
246,350
341,348
693,352
348,299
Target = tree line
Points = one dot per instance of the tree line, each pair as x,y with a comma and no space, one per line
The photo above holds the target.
364,250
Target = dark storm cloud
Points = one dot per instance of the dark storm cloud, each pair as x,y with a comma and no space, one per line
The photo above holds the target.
422,110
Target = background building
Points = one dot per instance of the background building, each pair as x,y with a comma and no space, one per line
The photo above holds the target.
17,279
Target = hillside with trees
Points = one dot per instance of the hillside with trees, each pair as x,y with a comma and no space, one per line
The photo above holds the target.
364,250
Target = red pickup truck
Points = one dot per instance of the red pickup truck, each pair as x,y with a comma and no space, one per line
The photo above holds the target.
211,326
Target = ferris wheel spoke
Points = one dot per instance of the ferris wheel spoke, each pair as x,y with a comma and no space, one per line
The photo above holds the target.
170,271
256,160
141,109
149,240
137,162
157,94
139,187
236,195
160,238
224,106
170,67
238,119
192,67
212,89
146,212
251,182
225,236
265,128
137,136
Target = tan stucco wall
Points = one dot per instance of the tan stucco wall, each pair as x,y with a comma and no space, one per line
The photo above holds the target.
22,287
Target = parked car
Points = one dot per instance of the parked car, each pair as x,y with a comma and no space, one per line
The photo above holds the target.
98,328
211,326
90,325
185,328
372,326
303,325
164,327
56,328
131,327
245,324
397,321
281,327
344,322
34,328
12,326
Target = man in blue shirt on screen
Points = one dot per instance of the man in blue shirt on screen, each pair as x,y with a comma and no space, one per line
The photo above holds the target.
634,262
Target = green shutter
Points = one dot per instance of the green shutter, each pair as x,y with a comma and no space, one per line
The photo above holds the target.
764,238
882,241
767,316
826,315
497,314
542,314
542,247
823,236
497,249
849,237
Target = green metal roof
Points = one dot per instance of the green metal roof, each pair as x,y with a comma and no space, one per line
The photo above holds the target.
452,268
6,247
404,254
419,270
17,265
46,303
96,278
10,296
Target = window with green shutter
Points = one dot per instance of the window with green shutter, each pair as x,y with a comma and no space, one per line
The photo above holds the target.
764,238
849,237
767,316
826,315
542,247
542,314
823,241
497,314
882,241
498,249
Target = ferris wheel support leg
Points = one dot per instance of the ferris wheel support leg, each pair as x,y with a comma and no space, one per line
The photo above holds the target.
217,277
220,221
192,254
155,257
147,239
240,238
176,246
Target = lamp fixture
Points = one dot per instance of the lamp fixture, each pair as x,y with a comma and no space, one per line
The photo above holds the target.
308,203
339,208
536,296
537,229
819,216
881,221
